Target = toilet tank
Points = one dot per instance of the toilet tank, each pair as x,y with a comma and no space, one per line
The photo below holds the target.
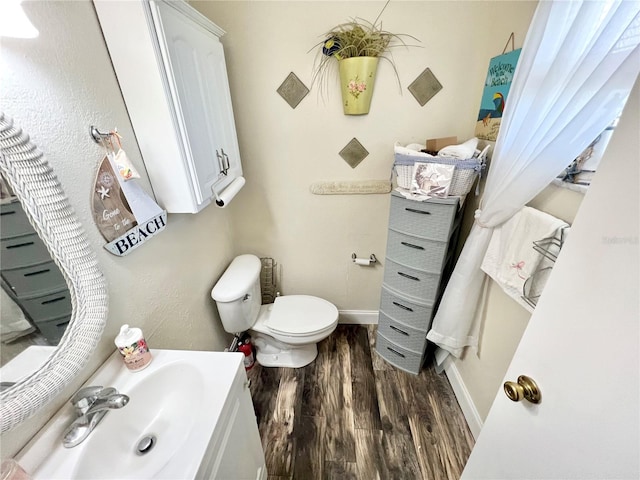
237,294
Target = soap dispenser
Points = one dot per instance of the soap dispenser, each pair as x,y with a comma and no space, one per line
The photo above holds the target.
133,347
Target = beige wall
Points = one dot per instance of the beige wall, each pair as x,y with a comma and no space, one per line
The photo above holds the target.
57,85
285,150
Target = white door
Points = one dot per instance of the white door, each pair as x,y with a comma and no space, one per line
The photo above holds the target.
581,345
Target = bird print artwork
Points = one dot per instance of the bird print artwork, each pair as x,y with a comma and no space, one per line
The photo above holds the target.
486,115
496,89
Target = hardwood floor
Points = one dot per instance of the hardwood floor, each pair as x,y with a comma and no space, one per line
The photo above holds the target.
350,415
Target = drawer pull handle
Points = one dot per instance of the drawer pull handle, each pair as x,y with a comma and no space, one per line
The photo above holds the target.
399,331
37,272
396,352
402,307
18,245
415,210
53,300
10,212
410,277
411,245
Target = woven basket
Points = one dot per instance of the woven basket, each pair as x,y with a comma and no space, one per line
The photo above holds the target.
464,175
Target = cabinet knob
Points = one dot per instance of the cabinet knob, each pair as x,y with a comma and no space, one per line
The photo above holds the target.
225,162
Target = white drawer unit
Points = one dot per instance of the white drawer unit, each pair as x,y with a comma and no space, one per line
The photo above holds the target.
29,276
34,280
420,245
24,251
171,69
14,221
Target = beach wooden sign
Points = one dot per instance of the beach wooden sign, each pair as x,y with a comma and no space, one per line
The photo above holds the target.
125,215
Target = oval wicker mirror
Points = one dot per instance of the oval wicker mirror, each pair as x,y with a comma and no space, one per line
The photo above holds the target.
47,207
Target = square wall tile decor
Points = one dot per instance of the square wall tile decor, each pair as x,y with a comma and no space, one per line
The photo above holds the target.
353,153
425,86
292,90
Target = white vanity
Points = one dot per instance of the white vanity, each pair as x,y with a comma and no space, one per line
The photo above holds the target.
196,407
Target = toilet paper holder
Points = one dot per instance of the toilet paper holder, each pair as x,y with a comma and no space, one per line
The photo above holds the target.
372,259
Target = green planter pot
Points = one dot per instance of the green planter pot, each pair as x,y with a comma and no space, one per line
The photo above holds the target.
357,77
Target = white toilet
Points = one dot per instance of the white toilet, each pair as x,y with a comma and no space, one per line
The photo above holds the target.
285,332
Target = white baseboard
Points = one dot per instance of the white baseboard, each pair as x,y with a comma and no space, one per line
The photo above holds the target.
469,410
358,317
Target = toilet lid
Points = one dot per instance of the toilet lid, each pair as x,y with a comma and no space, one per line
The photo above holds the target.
301,315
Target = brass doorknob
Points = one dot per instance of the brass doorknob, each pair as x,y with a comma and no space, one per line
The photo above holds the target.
526,388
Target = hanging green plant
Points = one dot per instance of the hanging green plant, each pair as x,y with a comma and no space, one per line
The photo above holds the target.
356,46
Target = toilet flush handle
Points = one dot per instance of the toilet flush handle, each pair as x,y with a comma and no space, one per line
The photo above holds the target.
246,297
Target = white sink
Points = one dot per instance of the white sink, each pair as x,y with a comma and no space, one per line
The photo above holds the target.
177,400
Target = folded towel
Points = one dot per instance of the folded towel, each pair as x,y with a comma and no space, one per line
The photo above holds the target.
463,151
410,151
510,258
415,147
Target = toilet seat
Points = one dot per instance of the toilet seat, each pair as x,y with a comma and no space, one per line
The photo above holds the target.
301,315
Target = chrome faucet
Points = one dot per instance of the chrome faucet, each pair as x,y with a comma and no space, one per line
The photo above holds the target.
91,405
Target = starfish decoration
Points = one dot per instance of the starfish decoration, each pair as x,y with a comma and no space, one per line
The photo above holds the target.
104,192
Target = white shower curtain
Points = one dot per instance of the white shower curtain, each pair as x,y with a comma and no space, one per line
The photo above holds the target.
578,64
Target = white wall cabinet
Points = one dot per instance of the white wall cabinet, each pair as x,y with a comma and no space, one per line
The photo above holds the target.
170,65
